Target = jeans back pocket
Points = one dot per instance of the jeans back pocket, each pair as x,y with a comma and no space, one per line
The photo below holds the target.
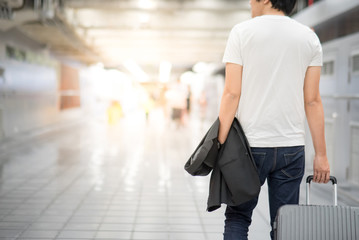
294,163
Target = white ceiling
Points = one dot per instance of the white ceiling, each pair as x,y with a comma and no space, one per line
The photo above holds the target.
182,32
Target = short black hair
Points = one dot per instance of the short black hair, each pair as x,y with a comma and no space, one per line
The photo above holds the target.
286,6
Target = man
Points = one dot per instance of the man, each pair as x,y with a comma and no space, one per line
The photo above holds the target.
273,66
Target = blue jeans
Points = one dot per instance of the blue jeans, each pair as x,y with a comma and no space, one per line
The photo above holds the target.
283,167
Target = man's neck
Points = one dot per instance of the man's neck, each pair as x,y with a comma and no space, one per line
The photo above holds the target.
272,11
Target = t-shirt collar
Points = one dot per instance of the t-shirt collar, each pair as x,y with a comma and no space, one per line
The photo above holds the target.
273,17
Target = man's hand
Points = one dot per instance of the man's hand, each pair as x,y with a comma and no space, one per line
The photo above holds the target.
321,169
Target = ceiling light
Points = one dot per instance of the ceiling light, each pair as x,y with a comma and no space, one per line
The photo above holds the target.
165,71
136,71
146,4
144,18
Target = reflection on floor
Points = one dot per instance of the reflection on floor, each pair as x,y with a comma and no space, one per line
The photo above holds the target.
92,181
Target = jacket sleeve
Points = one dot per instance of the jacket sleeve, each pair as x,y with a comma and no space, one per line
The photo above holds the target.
204,157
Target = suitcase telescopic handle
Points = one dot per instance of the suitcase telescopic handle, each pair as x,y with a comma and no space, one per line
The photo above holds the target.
333,180
311,177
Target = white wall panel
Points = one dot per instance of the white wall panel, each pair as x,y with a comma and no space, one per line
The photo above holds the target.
1,128
28,91
354,161
30,97
330,142
340,94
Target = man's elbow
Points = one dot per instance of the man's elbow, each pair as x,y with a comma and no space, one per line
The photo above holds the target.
232,95
313,102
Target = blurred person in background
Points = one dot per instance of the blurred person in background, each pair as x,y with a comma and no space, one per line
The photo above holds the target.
188,99
203,106
273,66
114,112
177,101
148,105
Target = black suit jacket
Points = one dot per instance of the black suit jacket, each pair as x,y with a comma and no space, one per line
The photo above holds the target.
234,178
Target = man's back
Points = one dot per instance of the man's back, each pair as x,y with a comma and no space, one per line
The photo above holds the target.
272,81
275,52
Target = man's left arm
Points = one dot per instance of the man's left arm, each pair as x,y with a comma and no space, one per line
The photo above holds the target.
230,99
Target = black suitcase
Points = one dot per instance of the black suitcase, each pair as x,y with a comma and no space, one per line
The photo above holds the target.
317,222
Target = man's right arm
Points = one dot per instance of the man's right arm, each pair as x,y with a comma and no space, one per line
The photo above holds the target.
315,116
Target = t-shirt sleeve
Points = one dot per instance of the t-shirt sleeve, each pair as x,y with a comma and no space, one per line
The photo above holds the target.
317,58
232,53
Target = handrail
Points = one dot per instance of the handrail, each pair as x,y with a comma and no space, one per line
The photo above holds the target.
338,96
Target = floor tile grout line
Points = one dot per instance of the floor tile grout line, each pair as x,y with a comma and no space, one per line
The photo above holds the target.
55,198
18,141
165,160
197,208
25,181
109,205
200,218
78,206
36,139
139,199
18,145
136,214
38,190
167,203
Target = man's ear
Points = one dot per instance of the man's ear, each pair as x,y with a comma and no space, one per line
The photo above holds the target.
266,2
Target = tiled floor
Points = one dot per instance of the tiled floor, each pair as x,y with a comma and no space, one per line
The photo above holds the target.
93,181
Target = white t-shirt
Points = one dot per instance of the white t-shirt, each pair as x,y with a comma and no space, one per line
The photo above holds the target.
275,52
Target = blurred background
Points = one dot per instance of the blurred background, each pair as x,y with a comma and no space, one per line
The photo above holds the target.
94,79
